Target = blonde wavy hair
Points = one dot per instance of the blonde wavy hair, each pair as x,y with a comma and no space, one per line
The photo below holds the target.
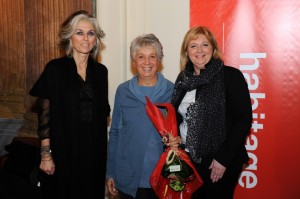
193,34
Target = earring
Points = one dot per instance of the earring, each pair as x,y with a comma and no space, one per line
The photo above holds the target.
94,49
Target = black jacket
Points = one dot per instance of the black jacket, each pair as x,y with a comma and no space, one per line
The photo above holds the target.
238,118
79,149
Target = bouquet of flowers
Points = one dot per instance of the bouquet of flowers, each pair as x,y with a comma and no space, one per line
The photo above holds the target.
174,175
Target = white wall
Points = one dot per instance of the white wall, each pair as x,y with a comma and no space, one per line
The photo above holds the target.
123,20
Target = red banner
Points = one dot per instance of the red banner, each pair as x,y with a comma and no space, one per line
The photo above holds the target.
262,39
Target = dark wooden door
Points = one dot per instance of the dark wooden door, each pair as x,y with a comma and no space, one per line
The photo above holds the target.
28,40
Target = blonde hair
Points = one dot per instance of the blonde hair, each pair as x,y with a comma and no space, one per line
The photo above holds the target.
193,34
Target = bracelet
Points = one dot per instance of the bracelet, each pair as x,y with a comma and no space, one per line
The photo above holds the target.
45,150
46,155
47,160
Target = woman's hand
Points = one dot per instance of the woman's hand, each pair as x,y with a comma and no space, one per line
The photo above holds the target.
171,141
217,171
47,164
110,183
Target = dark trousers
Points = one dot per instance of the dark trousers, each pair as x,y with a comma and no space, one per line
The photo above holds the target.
142,193
223,189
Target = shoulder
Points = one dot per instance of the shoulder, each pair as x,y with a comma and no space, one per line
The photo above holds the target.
170,83
179,76
170,86
57,63
162,78
231,70
123,85
122,89
53,66
232,73
234,79
99,66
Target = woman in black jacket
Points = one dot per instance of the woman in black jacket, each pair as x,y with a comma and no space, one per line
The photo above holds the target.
214,114
73,99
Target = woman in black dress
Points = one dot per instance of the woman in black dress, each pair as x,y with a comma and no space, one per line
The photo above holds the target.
73,97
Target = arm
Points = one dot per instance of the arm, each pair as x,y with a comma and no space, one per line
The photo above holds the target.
116,125
47,163
238,116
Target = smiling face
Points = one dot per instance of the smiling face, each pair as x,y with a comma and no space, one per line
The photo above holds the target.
146,62
200,52
84,38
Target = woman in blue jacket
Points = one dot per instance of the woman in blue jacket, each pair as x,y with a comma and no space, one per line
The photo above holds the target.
135,145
